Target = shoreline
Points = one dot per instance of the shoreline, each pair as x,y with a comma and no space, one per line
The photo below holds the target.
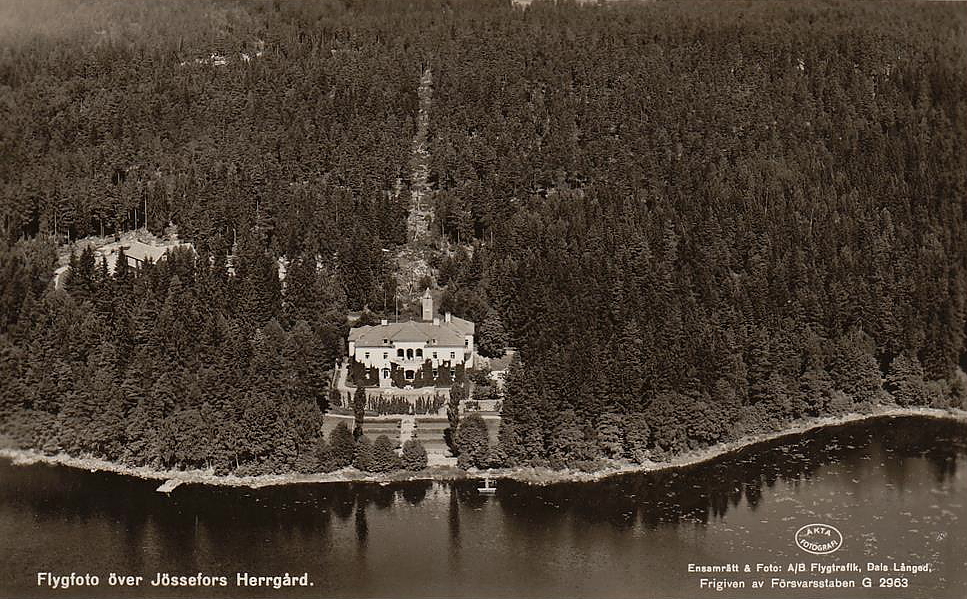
529,475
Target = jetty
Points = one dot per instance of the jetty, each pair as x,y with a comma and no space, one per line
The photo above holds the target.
169,485
489,487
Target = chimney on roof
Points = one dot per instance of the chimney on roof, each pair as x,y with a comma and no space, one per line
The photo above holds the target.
384,322
448,317
427,306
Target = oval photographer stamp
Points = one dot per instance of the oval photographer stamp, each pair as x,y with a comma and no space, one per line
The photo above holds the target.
819,539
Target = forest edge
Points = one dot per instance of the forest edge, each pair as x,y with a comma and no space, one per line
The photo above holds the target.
530,475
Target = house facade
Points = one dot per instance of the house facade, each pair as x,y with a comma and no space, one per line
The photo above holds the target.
431,351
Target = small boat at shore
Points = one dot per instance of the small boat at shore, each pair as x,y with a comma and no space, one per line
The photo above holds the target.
489,487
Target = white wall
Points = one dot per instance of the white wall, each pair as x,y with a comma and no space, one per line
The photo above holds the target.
376,360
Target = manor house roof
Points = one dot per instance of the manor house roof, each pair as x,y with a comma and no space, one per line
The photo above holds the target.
449,334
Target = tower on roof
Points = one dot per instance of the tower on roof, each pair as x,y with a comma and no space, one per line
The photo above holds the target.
427,305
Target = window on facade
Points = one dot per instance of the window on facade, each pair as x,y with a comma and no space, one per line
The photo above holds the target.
434,355
386,373
409,354
453,373
466,343
436,373
409,374
419,353
453,355
399,353
385,355
367,355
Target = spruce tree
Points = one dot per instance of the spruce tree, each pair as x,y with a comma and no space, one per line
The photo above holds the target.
905,382
637,433
299,297
472,442
491,336
609,435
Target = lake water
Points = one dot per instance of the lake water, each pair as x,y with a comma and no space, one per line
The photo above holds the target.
896,488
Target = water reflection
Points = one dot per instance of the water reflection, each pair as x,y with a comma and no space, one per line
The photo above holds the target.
200,528
415,493
695,493
709,490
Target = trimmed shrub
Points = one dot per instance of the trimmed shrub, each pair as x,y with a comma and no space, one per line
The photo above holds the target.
384,456
363,459
342,446
414,456
323,455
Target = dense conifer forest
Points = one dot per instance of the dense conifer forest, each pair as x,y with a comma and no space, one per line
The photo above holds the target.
693,221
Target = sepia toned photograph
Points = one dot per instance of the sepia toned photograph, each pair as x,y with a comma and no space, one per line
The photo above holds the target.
483,299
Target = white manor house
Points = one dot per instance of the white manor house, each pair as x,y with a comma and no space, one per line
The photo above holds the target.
400,350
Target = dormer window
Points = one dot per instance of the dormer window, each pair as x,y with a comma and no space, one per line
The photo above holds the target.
432,341
466,343
385,341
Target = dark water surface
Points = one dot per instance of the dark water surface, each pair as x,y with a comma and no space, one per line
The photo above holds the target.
895,487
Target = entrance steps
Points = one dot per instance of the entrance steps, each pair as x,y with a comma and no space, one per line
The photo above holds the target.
407,426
